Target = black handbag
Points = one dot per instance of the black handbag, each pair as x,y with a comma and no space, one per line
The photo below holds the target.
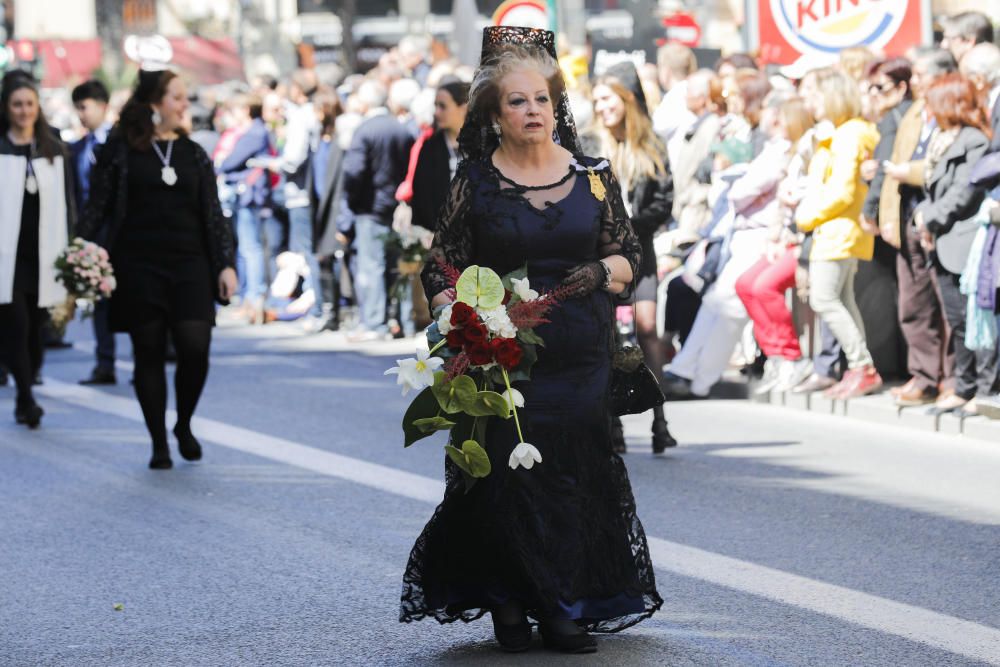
634,388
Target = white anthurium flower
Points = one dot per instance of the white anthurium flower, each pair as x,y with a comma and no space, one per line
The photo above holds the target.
523,289
444,321
514,398
524,455
416,373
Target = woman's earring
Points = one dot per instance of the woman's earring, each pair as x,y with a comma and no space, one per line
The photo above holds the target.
157,118
497,130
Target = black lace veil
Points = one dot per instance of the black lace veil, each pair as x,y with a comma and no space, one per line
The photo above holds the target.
477,139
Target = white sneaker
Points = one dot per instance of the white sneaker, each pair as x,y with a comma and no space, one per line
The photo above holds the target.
771,377
793,373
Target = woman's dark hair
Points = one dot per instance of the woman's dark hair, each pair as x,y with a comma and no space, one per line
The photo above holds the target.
47,143
135,122
457,89
737,61
328,103
898,70
753,87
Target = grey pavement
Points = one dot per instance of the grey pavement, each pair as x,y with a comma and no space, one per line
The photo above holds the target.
781,537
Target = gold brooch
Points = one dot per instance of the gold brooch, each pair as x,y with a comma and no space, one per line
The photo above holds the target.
596,186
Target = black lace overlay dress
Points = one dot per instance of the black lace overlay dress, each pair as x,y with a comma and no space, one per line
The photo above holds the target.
563,537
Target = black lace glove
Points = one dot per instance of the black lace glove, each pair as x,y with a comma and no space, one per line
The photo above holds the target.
584,278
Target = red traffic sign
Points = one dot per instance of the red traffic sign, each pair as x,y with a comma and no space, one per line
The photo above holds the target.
683,29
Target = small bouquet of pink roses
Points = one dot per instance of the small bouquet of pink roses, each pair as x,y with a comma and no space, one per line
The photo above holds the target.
85,271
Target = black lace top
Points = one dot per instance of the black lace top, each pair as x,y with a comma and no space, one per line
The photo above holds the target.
480,201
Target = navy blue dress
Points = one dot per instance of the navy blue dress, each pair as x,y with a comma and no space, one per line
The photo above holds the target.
563,537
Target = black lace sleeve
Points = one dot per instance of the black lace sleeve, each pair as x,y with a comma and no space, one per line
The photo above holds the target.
98,212
617,236
221,246
453,240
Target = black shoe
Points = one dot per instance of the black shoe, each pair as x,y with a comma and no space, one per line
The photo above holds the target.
575,642
100,376
618,436
161,459
514,638
187,445
29,414
661,436
331,325
58,344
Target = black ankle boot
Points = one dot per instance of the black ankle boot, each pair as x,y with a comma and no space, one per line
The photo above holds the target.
187,444
617,436
28,413
559,636
161,458
661,436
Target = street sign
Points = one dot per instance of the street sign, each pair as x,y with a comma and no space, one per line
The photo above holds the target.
526,13
682,28
783,30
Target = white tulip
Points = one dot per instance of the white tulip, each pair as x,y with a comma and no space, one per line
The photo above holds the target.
524,455
416,373
514,398
523,289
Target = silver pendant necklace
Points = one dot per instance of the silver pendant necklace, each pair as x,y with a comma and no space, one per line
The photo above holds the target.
167,174
30,182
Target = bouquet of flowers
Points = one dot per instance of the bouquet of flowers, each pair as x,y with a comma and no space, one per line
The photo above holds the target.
85,271
479,345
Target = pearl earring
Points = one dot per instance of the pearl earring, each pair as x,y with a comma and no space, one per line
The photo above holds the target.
157,118
497,130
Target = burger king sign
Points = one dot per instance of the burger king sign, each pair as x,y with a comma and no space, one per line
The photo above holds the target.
787,29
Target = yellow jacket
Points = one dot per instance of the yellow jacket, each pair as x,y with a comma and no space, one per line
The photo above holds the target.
836,193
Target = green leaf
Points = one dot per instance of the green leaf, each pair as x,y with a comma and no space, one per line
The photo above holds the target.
119,606
488,404
458,458
425,405
529,337
456,396
431,424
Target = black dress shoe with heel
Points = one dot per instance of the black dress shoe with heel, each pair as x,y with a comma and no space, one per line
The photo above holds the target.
513,638
161,459
661,437
556,639
29,414
187,445
100,376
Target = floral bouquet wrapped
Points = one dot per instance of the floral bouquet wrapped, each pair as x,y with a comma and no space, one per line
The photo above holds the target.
479,345
85,271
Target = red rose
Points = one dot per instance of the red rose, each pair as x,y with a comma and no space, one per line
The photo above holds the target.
508,353
455,339
462,314
476,333
479,354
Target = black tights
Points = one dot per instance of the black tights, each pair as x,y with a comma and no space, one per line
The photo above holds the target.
21,324
149,341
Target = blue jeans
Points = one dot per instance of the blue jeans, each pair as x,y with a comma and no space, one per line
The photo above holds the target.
300,240
830,359
105,347
259,236
370,275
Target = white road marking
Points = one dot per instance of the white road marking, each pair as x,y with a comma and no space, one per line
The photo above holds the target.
948,633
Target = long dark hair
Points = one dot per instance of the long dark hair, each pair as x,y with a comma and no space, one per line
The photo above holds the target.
46,142
135,123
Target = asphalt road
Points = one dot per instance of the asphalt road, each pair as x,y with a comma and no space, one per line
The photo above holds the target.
779,537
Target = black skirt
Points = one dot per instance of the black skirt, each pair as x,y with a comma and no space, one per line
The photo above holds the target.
148,291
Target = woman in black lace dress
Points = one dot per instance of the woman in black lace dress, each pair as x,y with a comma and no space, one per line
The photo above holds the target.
561,542
154,203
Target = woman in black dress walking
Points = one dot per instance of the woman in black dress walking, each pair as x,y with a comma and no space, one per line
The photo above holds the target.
561,542
36,215
170,246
